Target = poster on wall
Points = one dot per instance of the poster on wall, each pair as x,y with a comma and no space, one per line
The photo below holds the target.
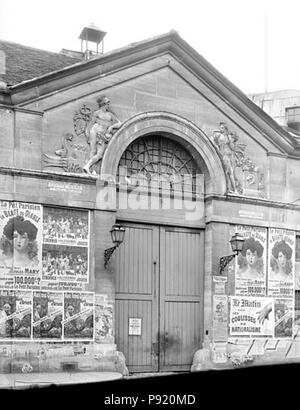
220,317
281,263
20,245
251,316
284,318
15,314
251,263
65,227
65,246
78,323
65,263
297,275
219,284
103,319
47,315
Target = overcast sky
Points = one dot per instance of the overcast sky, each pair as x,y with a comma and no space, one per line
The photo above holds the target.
230,34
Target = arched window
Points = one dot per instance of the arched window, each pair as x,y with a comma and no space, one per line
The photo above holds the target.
160,163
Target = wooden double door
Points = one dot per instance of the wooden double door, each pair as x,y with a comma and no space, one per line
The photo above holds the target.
159,302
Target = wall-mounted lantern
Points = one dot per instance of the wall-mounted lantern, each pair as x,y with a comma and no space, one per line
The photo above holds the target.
117,236
236,242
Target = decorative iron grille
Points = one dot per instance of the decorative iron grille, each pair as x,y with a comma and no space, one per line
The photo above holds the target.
157,161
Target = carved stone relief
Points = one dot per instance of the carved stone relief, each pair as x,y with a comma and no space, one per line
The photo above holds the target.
242,175
81,151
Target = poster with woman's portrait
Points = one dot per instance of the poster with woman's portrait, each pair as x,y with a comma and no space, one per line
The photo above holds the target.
79,312
20,244
284,318
281,263
251,263
47,315
15,314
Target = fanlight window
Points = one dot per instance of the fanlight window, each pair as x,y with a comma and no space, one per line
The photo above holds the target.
158,164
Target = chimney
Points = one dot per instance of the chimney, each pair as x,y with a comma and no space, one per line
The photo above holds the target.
91,34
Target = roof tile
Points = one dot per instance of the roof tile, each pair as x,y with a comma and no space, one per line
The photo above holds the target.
24,63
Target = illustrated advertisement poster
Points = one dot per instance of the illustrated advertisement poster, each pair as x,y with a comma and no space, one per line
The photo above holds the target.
65,247
15,314
103,319
47,315
220,317
78,323
20,245
281,263
251,263
251,316
65,227
284,318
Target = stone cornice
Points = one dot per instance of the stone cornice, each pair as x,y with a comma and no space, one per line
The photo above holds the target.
52,175
253,201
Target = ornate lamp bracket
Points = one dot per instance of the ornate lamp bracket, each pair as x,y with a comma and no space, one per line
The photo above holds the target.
108,253
224,260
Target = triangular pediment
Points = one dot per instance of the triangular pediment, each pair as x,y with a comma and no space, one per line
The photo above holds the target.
121,67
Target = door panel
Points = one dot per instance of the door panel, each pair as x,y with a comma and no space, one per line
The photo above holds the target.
159,280
181,277
136,297
137,349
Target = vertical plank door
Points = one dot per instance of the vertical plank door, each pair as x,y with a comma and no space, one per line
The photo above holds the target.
137,293
181,290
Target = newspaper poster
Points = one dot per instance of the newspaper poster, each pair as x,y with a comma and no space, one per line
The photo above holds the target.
47,315
220,317
65,227
20,244
79,311
281,263
284,318
65,263
251,263
251,316
15,314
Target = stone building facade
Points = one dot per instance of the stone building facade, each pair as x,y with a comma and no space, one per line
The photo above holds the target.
151,137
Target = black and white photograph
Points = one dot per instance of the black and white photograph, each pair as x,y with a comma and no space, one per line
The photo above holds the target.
149,196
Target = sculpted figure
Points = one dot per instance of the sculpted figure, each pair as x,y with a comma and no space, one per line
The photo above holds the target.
104,122
225,141
66,146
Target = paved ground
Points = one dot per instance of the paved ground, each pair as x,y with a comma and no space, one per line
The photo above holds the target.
156,374
43,379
